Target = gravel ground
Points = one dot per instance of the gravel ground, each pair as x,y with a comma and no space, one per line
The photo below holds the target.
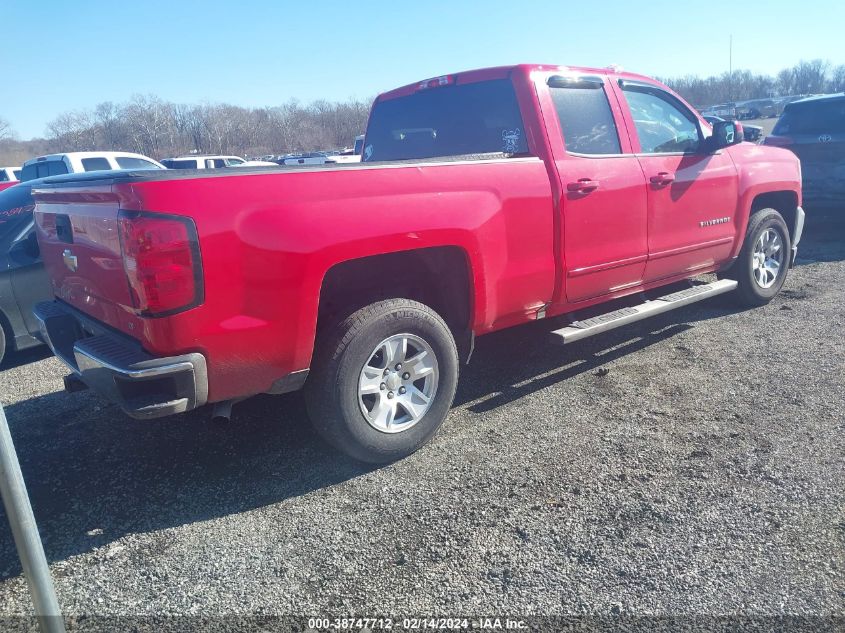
690,464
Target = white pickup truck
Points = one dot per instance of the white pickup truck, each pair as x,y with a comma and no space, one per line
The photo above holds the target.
203,161
76,162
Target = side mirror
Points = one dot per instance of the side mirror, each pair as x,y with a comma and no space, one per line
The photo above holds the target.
725,134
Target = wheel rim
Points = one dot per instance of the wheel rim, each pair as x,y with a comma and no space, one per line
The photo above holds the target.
767,259
398,383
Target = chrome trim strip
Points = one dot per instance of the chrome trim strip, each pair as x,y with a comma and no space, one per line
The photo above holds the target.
87,361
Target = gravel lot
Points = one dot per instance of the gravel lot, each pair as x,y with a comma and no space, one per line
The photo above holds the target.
690,464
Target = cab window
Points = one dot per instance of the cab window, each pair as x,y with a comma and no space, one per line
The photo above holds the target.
95,164
664,125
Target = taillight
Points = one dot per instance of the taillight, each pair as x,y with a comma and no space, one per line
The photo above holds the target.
162,262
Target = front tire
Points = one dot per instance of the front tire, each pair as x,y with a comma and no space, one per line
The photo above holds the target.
383,380
761,267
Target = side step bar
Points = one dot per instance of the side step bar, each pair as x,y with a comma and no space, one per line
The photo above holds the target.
577,330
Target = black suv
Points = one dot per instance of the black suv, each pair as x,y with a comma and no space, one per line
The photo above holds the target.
23,280
814,129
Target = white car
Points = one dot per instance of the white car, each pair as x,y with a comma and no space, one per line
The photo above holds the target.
10,174
201,161
256,163
75,162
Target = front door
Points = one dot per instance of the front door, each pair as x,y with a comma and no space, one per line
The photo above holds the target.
603,199
692,194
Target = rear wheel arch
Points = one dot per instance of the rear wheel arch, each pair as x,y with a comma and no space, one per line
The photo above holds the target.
440,277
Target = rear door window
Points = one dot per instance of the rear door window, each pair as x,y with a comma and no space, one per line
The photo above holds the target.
448,120
95,164
585,118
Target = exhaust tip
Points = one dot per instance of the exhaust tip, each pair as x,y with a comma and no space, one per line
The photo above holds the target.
222,411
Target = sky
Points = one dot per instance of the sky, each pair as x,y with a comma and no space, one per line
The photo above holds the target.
63,56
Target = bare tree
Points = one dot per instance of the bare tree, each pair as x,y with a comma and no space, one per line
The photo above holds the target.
5,130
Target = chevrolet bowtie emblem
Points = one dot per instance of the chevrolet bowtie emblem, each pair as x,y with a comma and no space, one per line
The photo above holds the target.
70,260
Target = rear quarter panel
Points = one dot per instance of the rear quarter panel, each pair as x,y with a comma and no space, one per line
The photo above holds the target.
267,241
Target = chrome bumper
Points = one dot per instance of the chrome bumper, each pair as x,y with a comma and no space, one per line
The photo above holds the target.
116,367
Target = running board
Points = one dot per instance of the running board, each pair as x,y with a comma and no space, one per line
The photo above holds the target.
577,330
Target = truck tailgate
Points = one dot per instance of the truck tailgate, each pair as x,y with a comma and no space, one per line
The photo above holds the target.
80,246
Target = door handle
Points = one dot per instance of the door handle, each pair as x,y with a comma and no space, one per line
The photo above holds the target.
662,179
583,185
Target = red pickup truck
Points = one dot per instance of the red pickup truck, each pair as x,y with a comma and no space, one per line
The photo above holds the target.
484,199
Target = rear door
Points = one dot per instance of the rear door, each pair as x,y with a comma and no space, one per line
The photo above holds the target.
692,193
603,202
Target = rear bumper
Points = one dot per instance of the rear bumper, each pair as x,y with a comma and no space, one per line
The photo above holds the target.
115,366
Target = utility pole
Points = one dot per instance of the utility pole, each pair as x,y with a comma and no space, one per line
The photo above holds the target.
25,534
731,67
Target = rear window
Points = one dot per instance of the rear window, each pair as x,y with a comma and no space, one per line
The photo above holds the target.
130,162
95,164
42,169
453,120
818,117
179,164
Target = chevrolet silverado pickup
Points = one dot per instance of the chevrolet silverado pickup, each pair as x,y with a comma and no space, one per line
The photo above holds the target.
484,200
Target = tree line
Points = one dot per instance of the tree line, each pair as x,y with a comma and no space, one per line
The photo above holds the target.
149,125
805,78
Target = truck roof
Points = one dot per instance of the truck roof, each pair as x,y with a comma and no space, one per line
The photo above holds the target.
503,72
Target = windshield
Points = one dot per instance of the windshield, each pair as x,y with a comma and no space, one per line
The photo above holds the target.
818,117
475,118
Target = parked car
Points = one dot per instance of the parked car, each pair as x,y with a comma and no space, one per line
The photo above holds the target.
483,200
23,282
76,162
255,163
307,158
202,161
352,155
814,129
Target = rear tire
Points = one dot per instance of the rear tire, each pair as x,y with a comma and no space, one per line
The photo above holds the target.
383,380
763,262
2,341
